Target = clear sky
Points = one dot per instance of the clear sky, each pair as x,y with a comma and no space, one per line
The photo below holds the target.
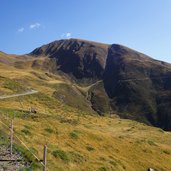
144,25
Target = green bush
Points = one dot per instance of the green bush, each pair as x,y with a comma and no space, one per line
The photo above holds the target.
26,131
61,154
166,152
103,169
49,130
76,157
152,143
74,134
14,86
90,148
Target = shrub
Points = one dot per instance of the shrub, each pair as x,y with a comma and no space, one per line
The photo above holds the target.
26,131
152,143
61,154
90,148
74,134
27,127
49,130
166,152
103,169
76,157
112,162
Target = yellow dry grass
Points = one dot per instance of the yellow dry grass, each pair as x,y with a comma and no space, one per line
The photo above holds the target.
88,142
110,143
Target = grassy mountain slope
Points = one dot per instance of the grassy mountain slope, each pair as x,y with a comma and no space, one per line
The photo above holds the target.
135,86
135,83
76,139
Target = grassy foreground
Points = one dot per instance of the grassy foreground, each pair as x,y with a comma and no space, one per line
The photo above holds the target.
77,141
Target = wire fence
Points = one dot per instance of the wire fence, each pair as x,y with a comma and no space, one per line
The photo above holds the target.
19,144
19,147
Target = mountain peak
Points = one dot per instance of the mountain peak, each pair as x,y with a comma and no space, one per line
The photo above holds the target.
72,44
133,83
121,80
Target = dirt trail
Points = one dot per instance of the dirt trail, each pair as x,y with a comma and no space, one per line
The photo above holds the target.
17,95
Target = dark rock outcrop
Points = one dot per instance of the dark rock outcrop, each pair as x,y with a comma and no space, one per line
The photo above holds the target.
134,85
80,58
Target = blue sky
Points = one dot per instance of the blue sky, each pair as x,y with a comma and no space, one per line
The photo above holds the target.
144,25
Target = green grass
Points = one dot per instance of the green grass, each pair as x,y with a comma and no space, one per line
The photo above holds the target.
74,134
26,132
76,157
73,150
112,162
49,130
3,140
61,154
103,169
90,148
28,157
27,126
150,142
46,100
34,164
13,85
12,113
71,121
71,96
167,152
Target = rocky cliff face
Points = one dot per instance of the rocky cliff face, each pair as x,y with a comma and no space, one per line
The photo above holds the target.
132,85
82,59
135,83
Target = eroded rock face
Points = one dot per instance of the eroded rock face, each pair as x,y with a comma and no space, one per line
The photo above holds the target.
134,85
80,58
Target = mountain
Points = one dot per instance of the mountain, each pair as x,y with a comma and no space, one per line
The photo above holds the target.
71,94
103,78
82,59
138,86
132,85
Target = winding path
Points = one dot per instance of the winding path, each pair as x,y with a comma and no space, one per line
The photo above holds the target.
20,94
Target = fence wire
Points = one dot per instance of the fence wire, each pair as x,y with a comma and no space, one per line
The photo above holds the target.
4,132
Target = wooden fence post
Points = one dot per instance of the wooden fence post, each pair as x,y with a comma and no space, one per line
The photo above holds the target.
11,137
44,157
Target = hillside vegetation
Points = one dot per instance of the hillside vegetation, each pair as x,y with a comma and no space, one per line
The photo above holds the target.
134,85
77,140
